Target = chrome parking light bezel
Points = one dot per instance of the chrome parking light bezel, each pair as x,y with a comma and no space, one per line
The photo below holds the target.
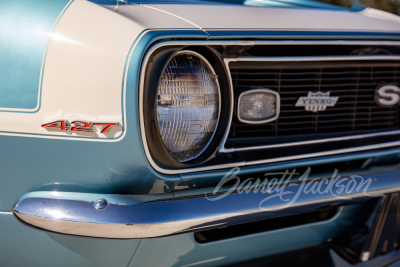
268,91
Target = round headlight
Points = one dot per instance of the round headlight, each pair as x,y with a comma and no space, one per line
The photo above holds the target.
188,105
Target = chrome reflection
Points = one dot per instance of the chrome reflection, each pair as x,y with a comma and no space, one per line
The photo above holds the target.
135,217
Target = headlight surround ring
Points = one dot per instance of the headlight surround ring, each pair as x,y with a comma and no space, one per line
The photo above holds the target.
188,105
154,65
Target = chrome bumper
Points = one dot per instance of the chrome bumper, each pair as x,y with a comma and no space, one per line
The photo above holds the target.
128,216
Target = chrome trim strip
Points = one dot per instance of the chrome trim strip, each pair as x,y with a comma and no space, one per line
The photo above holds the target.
327,153
317,141
222,149
130,217
290,42
312,59
277,105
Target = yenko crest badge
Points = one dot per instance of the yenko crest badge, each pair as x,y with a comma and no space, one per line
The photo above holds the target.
317,101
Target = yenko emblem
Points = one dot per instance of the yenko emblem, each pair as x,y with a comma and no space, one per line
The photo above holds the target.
317,101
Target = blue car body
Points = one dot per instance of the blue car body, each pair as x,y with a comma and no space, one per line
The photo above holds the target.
47,165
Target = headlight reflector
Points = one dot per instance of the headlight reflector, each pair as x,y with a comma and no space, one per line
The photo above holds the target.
188,105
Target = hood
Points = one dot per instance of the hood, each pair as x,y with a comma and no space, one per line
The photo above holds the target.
303,15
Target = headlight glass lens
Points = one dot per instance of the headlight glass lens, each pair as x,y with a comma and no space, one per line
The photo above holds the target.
188,105
258,106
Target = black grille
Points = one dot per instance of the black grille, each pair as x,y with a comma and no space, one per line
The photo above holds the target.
354,82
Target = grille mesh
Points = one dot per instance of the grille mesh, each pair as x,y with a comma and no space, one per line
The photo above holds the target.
354,82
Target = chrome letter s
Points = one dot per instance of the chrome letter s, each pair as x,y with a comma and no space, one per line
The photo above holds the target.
388,95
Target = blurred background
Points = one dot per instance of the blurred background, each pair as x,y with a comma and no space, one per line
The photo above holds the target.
392,6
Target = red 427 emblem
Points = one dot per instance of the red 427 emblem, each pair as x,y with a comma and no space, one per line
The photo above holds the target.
79,126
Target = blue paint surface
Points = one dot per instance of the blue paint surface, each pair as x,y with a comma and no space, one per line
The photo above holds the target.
25,28
32,164
261,3
294,4
26,246
97,167
116,167
183,250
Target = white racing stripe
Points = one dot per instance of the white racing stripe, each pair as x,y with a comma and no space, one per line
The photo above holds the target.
83,73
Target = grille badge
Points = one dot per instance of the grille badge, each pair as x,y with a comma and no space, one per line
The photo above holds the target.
388,95
318,101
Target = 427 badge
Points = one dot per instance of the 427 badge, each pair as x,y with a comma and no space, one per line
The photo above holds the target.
79,126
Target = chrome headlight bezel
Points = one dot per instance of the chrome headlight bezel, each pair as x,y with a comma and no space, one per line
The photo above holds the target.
215,82
154,67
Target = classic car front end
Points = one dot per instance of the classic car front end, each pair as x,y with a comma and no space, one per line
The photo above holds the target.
198,133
